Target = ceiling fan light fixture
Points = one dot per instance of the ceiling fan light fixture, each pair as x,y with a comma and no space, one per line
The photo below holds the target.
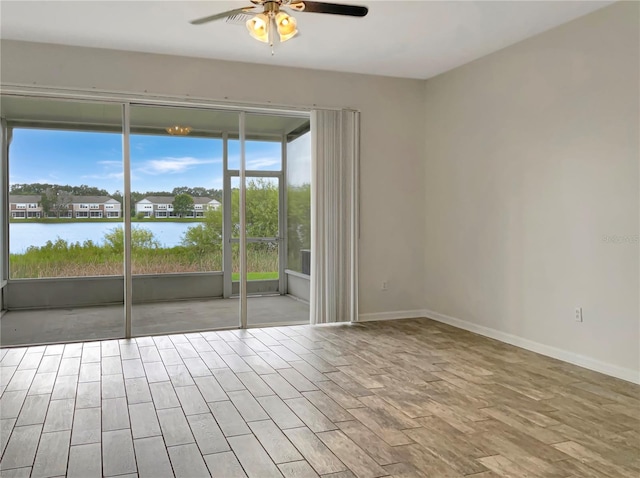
258,27
264,26
287,26
178,130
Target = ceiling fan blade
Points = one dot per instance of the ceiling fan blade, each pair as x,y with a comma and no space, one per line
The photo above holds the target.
333,8
219,16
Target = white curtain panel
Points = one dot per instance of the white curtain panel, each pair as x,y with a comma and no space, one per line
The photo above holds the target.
335,141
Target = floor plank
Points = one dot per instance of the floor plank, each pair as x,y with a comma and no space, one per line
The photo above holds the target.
274,442
152,458
247,405
253,458
207,433
118,456
297,469
144,421
229,419
175,427
52,455
310,415
115,414
85,461
354,457
224,465
314,451
59,415
187,461
22,446
87,426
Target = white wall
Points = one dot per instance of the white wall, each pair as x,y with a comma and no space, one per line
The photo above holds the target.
531,161
392,126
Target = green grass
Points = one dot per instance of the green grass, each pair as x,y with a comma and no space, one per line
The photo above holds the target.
61,259
256,275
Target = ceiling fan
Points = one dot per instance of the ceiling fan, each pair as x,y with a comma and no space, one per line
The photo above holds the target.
271,16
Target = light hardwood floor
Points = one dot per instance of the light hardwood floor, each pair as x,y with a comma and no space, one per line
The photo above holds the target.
399,398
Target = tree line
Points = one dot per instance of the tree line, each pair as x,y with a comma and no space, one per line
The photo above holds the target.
84,190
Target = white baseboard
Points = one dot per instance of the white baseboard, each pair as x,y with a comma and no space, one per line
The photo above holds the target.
398,314
623,373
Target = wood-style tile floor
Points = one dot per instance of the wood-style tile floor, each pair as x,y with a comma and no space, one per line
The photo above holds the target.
400,398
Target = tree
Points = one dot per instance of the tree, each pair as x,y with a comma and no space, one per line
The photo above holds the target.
141,238
198,192
262,218
262,208
56,201
35,188
183,205
84,190
207,236
117,195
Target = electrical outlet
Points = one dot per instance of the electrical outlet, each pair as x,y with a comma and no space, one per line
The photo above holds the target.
385,285
578,314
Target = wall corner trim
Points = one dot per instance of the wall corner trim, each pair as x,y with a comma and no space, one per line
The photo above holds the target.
616,371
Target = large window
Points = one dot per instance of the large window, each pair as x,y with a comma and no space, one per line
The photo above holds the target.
56,169
65,203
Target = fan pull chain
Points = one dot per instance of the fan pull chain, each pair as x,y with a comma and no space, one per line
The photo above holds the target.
272,25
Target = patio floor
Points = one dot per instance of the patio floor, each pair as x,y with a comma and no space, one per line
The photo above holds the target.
47,326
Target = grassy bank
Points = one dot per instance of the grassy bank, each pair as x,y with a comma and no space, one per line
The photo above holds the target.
91,260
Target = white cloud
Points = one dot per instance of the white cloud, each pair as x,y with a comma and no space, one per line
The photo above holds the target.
119,176
173,165
262,163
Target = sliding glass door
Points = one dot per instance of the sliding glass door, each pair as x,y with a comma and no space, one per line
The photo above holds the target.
177,159
126,219
63,216
262,205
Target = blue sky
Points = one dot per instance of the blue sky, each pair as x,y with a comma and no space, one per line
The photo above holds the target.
158,163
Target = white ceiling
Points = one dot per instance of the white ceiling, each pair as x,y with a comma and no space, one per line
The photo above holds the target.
412,39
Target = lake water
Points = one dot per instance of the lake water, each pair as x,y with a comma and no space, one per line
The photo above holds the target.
24,235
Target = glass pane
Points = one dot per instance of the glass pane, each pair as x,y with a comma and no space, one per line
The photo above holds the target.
262,261
176,190
65,204
262,207
65,221
299,204
260,155
262,222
